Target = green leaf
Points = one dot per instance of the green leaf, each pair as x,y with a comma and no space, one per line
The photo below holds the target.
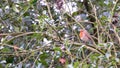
85,65
33,2
76,64
15,8
43,58
1,66
16,29
5,50
10,59
57,49
94,57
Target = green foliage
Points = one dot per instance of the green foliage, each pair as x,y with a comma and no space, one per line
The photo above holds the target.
38,33
76,64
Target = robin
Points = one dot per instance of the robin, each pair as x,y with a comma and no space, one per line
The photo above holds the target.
84,35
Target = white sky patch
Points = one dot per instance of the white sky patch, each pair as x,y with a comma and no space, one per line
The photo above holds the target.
74,27
1,47
114,2
117,59
118,8
55,8
44,12
28,0
46,42
66,35
42,2
7,7
63,22
107,14
16,1
69,66
86,20
106,2
78,18
3,61
70,7
81,0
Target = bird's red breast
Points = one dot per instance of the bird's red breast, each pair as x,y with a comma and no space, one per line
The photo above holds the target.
81,34
84,35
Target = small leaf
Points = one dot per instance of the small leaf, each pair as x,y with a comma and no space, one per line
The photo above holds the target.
15,8
85,66
76,65
33,1
6,50
57,49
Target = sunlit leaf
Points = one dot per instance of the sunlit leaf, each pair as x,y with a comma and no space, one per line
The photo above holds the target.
76,64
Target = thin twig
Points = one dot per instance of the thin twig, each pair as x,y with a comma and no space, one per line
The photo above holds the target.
23,34
112,12
62,39
48,7
90,47
54,30
76,21
35,60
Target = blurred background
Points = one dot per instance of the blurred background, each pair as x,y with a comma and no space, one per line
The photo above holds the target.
45,33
